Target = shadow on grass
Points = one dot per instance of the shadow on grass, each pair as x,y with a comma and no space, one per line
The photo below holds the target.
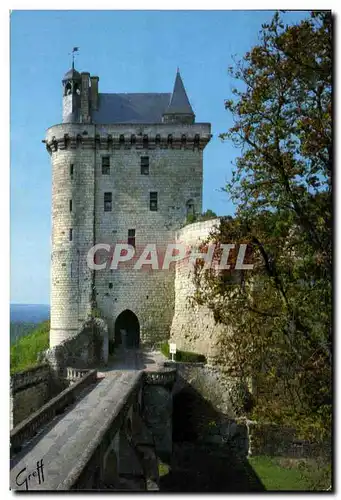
198,464
203,468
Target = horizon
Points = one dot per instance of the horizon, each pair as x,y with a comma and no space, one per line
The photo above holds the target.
27,304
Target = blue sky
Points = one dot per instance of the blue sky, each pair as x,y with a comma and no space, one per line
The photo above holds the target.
130,51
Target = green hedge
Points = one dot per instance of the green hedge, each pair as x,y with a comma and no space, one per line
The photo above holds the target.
25,350
184,356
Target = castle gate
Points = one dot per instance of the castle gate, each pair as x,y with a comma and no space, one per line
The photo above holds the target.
127,330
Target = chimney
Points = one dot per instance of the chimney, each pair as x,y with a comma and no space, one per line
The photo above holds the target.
85,116
94,92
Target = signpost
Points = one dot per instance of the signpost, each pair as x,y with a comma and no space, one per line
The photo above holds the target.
172,350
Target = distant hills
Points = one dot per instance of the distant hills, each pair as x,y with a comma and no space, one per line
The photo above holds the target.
29,313
25,317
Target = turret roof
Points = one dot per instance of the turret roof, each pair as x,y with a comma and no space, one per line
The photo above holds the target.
72,74
179,103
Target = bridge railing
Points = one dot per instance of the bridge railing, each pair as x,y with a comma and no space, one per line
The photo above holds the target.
164,376
74,374
29,427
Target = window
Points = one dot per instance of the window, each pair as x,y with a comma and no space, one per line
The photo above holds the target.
70,234
68,88
131,237
190,207
153,201
70,205
107,202
145,165
110,285
105,165
71,171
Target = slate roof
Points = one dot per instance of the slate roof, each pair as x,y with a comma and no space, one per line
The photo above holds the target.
72,74
130,108
179,103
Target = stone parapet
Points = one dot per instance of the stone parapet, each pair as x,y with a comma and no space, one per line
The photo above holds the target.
31,425
31,376
165,377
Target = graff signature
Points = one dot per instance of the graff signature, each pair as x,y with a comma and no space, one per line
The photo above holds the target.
38,473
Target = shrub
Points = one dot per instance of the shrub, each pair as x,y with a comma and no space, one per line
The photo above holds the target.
183,356
209,214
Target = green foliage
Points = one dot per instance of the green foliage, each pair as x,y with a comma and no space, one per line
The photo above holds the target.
95,312
279,474
281,311
191,218
25,351
209,214
183,356
163,469
20,329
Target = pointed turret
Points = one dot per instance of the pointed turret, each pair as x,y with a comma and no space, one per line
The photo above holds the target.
179,109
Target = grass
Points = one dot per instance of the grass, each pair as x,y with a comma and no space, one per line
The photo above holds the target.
184,356
163,469
24,352
284,474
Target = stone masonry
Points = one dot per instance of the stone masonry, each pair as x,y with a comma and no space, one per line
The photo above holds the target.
101,195
193,326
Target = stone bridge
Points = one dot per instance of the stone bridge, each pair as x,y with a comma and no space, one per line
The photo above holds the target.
105,431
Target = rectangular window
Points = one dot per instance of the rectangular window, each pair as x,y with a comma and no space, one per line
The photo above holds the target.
71,171
107,202
145,165
70,234
131,237
105,165
153,201
70,205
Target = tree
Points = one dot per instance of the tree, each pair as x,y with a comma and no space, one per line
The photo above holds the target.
280,311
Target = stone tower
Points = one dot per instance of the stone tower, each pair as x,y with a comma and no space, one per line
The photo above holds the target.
126,168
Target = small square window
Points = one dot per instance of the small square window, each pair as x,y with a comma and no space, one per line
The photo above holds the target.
70,234
153,201
144,165
105,165
131,237
107,202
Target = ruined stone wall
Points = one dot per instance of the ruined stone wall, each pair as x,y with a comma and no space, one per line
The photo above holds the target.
86,348
193,327
175,173
29,390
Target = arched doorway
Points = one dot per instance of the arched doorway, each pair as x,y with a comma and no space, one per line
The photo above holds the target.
127,330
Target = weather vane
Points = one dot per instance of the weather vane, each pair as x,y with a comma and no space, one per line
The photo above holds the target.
75,49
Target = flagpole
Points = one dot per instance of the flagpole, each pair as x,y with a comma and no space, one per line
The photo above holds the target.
75,49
